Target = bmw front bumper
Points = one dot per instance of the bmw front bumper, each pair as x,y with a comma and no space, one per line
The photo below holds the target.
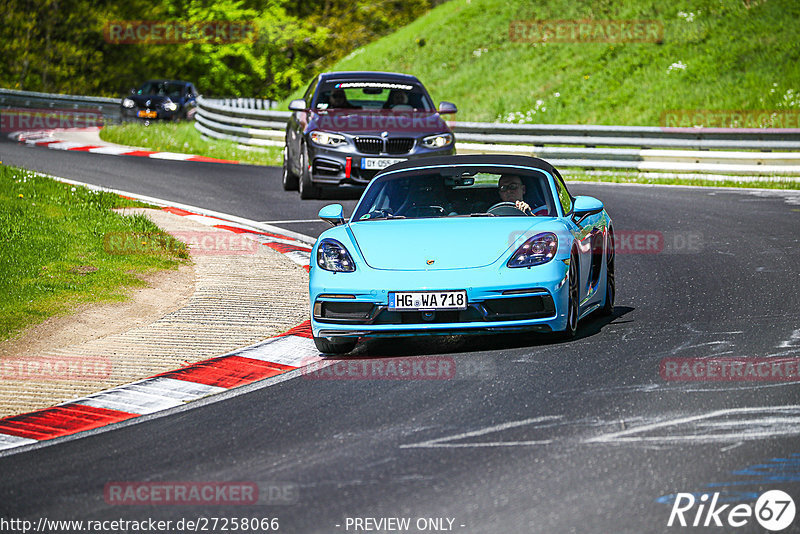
330,166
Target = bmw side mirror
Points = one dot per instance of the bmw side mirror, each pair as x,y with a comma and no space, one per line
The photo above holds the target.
297,105
332,214
585,206
447,107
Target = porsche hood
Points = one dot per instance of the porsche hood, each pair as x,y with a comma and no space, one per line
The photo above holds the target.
433,244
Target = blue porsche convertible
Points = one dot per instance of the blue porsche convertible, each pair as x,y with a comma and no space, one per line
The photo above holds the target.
461,244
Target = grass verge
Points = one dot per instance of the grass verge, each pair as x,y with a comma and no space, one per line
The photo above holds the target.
772,182
183,137
711,55
53,239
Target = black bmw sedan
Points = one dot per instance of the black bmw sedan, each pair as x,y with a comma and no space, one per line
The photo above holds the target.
350,125
161,99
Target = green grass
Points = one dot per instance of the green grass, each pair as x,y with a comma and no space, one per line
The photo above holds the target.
634,177
184,138
54,252
736,58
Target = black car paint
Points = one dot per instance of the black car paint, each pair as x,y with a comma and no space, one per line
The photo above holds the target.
185,98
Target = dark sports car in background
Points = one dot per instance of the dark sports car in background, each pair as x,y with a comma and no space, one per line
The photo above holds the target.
350,125
161,99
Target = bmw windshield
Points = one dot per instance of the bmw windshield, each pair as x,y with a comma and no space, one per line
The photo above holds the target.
372,96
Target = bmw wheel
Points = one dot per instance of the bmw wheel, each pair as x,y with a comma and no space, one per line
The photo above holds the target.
307,188
289,178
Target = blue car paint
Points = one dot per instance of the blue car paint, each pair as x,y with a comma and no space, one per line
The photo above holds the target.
485,277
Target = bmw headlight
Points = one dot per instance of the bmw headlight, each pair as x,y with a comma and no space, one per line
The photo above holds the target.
327,139
537,250
127,103
332,256
170,106
438,141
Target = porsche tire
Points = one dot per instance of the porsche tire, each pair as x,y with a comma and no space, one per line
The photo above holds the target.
573,311
611,284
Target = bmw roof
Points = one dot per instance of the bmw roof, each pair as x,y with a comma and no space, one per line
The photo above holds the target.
371,75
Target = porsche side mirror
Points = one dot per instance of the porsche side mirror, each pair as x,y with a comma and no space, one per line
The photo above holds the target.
297,105
332,214
585,206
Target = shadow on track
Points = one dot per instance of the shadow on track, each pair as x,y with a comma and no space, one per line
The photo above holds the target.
450,344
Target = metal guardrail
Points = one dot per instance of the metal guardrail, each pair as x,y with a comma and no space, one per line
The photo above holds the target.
644,148
243,103
107,107
252,122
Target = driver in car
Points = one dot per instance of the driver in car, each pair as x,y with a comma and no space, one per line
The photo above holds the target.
338,99
511,189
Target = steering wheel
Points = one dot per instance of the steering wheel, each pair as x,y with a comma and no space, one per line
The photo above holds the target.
504,208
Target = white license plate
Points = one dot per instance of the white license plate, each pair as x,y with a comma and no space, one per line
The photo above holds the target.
428,300
379,163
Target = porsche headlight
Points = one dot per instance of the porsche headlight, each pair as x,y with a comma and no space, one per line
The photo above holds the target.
127,103
537,250
332,256
170,106
438,141
327,139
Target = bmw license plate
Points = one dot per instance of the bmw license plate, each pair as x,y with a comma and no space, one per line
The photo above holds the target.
147,114
428,300
379,163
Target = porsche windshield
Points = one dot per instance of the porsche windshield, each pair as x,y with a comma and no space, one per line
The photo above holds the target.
482,194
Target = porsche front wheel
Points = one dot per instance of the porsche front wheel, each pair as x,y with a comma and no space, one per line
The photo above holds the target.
572,300
611,283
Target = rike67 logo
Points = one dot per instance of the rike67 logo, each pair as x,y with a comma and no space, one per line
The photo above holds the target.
774,510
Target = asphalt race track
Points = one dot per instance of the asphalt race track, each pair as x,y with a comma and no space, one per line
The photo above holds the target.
538,436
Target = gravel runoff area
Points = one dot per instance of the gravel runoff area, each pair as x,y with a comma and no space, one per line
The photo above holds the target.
225,300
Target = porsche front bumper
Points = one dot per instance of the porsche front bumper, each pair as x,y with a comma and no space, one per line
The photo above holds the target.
498,299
